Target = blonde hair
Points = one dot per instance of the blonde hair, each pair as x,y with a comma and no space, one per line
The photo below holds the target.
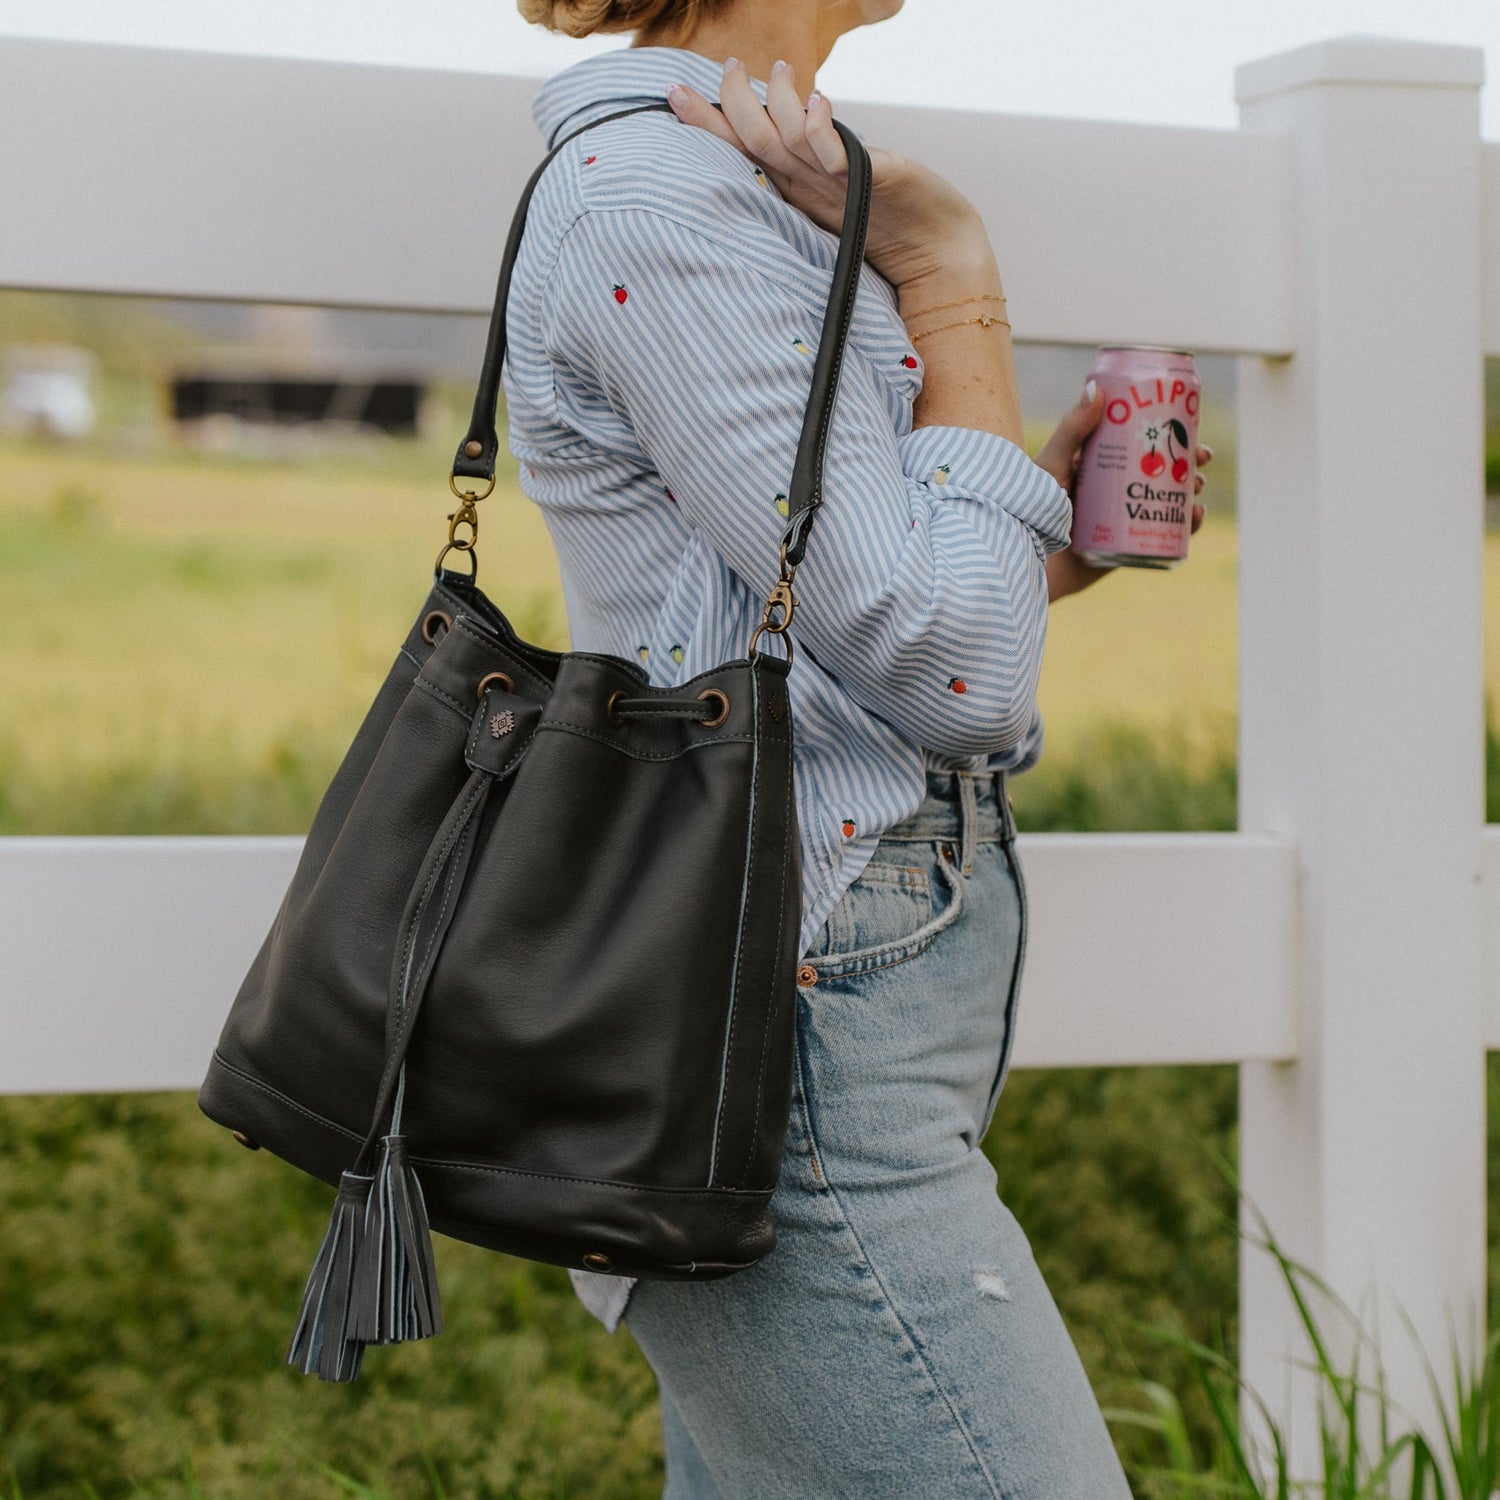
671,18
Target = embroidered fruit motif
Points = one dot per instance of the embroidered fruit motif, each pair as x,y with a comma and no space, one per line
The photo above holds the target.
848,828
589,161
1177,438
672,497
783,506
910,362
1152,463
620,293
800,347
676,653
761,178
644,652
957,685
941,473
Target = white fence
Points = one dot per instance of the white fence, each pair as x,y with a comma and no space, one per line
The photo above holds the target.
1343,947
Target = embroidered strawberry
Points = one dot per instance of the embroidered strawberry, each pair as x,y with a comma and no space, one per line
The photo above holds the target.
910,362
620,293
800,347
783,506
848,829
957,685
761,178
941,473
644,652
672,497
676,653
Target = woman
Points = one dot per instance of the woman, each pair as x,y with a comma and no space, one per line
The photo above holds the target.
664,313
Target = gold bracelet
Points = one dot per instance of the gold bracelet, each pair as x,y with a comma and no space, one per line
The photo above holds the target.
962,302
984,320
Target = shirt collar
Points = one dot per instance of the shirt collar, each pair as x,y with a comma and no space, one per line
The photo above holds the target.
598,85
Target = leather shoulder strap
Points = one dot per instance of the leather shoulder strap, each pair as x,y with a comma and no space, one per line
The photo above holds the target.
480,446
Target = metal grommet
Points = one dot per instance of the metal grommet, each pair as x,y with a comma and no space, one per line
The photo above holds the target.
807,976
707,695
245,1140
609,711
595,1260
436,625
491,679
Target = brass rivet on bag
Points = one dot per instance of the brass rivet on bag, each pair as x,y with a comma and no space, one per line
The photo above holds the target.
495,679
615,722
707,696
245,1140
596,1261
807,976
436,625
473,448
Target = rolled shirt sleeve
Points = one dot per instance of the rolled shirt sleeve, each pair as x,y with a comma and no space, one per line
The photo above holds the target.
923,590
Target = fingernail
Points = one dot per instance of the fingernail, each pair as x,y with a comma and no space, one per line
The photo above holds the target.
676,94
731,62
815,100
777,66
1090,392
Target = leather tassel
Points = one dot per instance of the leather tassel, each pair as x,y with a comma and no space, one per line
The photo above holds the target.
395,1280
324,1343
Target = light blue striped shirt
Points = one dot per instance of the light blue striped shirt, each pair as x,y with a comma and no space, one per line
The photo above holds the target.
663,319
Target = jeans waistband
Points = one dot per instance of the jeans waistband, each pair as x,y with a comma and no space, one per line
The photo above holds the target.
967,807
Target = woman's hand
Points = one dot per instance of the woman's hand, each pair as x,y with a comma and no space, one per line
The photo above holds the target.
919,223
1067,573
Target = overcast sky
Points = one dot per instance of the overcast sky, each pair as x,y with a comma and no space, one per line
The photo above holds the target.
1170,61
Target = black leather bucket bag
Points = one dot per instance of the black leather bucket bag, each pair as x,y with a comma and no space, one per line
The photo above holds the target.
533,981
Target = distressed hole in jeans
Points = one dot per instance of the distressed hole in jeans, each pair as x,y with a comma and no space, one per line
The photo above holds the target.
992,1284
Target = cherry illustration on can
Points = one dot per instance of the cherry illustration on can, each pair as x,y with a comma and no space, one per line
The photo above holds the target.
1133,500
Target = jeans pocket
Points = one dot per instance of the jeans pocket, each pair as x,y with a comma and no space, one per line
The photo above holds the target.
891,913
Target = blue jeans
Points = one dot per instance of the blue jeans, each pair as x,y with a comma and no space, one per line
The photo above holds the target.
899,1341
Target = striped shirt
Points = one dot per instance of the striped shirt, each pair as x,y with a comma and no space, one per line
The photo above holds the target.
664,315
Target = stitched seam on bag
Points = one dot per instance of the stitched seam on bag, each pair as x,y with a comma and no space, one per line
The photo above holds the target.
614,744
630,1187
765,1041
523,669
412,657
286,1099
746,881
452,702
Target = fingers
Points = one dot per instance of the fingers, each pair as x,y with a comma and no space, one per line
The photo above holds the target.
827,144
1197,520
693,109
784,106
1204,455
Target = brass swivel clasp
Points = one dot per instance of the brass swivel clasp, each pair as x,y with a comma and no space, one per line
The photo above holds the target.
463,526
781,605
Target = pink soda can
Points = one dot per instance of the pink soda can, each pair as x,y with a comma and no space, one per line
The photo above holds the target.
1134,496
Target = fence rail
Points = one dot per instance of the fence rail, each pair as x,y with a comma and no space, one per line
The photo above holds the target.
1343,947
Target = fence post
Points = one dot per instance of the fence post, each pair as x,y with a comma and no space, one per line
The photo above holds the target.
1361,707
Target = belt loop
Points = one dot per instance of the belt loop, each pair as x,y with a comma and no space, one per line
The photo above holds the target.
970,805
1007,812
